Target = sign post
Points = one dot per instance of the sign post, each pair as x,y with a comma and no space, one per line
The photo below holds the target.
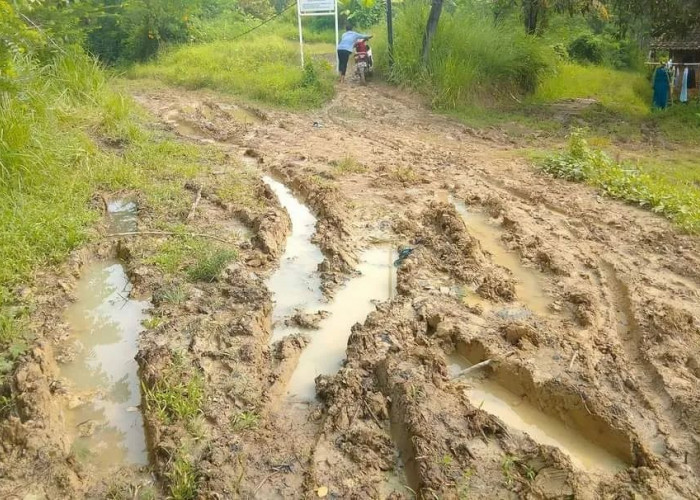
316,8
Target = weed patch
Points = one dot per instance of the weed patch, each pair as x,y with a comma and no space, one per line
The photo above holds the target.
199,259
245,420
349,165
183,478
581,163
178,394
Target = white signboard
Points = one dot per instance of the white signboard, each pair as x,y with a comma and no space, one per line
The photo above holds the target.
316,8
311,7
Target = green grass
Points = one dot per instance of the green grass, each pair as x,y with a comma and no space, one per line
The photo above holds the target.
183,478
626,92
177,395
210,265
198,258
245,420
665,194
349,165
264,69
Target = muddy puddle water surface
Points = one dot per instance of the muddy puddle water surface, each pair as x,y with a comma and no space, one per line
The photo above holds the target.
123,215
529,284
102,413
296,284
517,413
351,304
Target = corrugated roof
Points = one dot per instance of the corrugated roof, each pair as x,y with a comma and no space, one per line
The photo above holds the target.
689,41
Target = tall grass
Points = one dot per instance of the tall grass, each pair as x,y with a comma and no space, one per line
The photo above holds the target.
473,59
264,68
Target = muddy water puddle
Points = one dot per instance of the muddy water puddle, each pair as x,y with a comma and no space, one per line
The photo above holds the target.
102,414
518,413
351,304
529,285
296,284
123,216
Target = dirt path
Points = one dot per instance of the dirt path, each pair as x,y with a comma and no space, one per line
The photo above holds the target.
594,323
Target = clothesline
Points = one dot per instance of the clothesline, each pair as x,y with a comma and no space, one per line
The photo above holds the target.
672,64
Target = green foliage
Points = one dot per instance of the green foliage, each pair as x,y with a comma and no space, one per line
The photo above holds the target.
598,49
619,91
209,267
200,259
472,60
245,420
177,395
349,165
362,13
264,68
183,478
583,164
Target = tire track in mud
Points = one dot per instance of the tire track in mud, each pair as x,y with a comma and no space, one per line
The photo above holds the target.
439,162
650,388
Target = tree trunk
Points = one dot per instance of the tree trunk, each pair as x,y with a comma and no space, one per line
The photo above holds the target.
531,10
430,28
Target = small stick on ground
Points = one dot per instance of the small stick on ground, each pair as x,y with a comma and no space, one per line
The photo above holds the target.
263,482
166,233
374,417
194,205
473,368
573,358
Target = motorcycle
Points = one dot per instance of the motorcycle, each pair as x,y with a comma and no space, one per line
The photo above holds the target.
363,61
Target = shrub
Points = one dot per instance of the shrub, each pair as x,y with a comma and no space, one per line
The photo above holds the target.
584,164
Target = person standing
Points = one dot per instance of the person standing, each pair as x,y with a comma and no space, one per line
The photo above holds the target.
347,43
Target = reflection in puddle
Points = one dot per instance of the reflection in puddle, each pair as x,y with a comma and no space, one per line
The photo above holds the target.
351,304
103,414
518,413
296,284
529,284
123,216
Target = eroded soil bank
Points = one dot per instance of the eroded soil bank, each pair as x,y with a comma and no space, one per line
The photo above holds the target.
586,308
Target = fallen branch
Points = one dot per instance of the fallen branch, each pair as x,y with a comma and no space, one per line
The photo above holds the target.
473,368
194,205
167,233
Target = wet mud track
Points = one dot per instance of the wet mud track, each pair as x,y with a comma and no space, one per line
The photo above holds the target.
585,309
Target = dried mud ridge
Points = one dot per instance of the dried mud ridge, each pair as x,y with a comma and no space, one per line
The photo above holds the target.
615,356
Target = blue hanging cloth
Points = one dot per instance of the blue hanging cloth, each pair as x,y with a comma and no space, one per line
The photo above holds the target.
661,88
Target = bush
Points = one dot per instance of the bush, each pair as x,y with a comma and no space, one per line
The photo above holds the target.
472,59
587,48
582,164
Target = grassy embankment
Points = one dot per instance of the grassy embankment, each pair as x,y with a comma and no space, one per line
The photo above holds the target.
67,136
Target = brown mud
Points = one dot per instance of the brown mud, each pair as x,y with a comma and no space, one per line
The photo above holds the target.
586,308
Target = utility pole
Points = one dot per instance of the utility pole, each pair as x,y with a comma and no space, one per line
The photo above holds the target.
390,32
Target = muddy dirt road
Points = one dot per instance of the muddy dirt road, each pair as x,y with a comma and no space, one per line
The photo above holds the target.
415,312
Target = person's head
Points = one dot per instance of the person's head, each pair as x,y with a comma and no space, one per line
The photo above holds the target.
348,27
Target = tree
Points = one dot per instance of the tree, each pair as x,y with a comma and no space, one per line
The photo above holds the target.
430,29
666,17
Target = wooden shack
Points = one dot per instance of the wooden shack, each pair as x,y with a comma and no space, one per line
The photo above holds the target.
682,49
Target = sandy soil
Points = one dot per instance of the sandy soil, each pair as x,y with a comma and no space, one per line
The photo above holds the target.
613,351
